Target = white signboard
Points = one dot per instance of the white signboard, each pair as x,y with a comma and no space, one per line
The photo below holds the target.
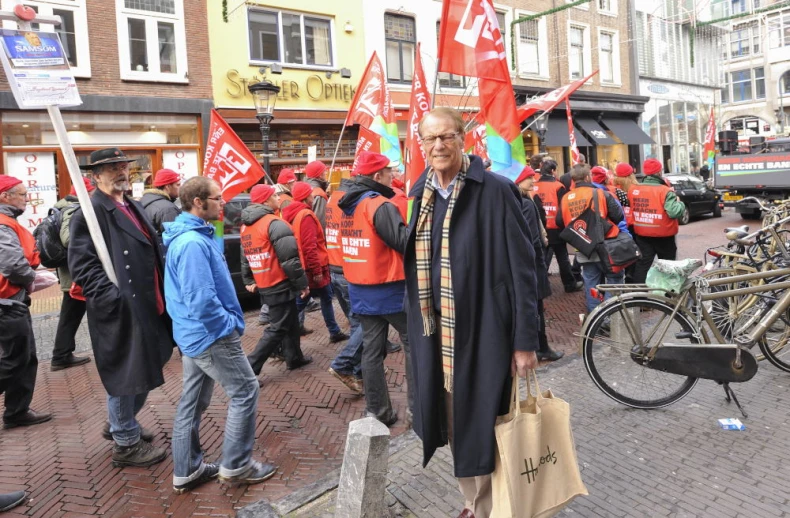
37,69
182,161
37,172
137,190
311,153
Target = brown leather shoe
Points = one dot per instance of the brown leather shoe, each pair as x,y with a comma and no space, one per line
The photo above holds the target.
29,418
139,455
348,380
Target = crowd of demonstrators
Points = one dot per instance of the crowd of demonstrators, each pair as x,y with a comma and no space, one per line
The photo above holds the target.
72,306
572,205
207,326
373,246
471,304
18,261
131,333
656,210
160,202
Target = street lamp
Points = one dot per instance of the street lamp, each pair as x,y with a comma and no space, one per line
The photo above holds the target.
264,94
541,131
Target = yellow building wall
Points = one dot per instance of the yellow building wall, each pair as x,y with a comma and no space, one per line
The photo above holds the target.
301,88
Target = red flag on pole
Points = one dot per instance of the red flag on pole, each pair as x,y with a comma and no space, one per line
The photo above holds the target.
372,97
419,106
367,141
709,150
549,101
228,160
474,141
571,135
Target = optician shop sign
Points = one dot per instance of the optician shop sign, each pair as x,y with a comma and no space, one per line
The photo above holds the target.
314,87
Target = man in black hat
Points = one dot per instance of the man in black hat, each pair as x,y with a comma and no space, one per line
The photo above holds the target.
130,330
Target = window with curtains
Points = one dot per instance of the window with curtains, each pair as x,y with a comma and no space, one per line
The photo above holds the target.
606,57
445,78
576,55
152,40
400,39
289,38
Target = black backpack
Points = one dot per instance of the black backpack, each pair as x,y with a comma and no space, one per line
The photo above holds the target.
51,250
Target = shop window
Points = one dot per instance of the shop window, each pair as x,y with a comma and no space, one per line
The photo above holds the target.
290,38
579,51
447,79
400,40
73,30
152,40
609,57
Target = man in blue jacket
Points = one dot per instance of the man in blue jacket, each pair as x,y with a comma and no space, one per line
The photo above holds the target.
207,326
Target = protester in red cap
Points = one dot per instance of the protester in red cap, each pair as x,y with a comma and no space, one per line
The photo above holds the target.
623,179
270,263
316,173
373,246
72,310
656,211
18,261
159,202
285,181
314,256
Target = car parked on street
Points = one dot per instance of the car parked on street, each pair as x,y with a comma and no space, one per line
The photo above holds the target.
698,198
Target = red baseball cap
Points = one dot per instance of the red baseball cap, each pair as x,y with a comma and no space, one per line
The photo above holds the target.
166,177
286,175
369,163
527,172
301,190
315,169
261,192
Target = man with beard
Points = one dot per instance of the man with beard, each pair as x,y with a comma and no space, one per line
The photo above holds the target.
159,202
129,328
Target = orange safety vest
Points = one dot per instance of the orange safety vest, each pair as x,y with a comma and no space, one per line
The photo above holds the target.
320,241
335,217
547,192
29,250
577,201
647,207
402,202
259,251
368,259
317,191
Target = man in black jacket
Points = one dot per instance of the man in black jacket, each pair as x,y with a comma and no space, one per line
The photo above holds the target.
270,263
159,203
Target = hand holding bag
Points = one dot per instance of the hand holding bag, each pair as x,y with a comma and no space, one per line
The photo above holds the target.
536,472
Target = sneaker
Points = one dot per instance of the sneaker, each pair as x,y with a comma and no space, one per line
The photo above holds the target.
138,455
145,434
392,347
257,472
348,380
312,306
71,361
210,472
29,418
338,337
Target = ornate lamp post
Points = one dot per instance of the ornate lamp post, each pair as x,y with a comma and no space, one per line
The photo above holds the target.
541,131
264,94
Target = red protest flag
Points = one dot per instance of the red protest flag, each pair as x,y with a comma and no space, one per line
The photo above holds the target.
474,141
709,149
228,160
372,97
419,106
571,135
549,101
366,141
470,43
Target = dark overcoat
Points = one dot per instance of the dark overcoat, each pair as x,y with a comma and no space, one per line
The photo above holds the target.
131,342
495,295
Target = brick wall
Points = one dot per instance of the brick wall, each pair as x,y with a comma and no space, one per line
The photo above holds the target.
557,31
105,66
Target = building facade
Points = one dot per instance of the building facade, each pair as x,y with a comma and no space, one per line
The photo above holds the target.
143,73
314,51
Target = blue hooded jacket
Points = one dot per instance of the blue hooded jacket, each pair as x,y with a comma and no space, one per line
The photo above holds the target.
199,292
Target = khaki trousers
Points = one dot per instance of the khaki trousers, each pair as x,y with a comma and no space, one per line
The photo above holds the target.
476,490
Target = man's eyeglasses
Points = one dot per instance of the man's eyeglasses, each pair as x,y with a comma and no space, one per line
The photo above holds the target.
446,138
215,198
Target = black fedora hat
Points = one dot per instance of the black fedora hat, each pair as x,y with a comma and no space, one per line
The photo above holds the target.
110,155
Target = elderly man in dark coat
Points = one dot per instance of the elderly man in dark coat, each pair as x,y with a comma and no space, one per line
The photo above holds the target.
130,331
471,303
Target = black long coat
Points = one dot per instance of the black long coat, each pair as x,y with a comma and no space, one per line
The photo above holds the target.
131,342
496,312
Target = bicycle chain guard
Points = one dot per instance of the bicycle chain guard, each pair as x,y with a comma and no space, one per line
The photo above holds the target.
707,361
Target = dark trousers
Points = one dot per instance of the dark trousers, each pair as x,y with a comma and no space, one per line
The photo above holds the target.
561,251
663,247
283,329
543,340
71,313
18,363
374,350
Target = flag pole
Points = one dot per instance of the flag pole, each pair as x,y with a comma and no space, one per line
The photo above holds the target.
337,147
435,82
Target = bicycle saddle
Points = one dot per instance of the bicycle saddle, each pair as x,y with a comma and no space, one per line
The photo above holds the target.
742,228
736,235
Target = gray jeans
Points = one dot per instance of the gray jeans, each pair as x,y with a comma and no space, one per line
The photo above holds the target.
374,350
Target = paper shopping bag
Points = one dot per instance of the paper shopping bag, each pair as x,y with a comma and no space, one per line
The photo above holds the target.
536,473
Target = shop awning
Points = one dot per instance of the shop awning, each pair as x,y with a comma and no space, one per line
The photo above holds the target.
595,132
557,134
628,131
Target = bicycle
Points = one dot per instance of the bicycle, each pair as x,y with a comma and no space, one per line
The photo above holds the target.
627,357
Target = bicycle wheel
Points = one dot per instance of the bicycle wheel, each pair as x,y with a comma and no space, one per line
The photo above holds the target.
774,343
618,337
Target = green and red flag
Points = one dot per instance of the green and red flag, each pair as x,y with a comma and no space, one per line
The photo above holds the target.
709,150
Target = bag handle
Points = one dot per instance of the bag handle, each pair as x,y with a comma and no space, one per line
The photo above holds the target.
515,399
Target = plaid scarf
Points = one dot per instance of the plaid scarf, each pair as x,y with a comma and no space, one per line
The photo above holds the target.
424,285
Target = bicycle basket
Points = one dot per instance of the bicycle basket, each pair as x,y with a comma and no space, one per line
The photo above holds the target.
670,276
